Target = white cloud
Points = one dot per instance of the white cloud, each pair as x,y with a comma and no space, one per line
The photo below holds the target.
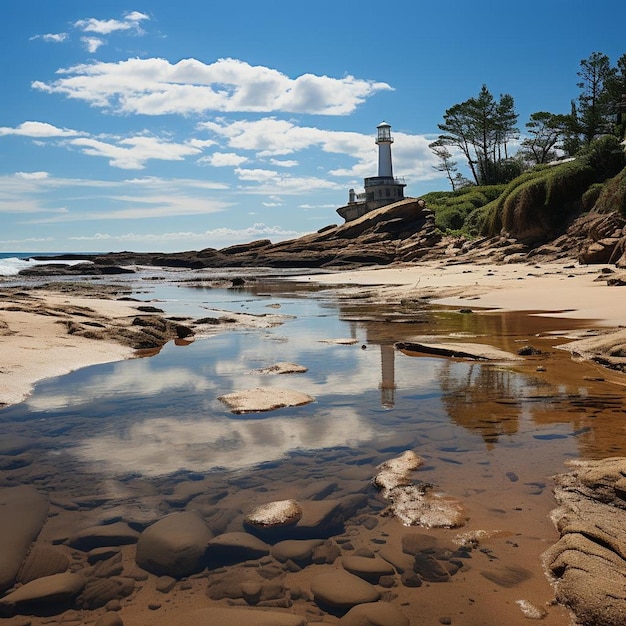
216,234
131,21
270,137
38,129
156,87
223,159
133,152
32,175
92,43
51,37
284,163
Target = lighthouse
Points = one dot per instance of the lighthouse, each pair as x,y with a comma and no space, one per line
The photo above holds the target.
384,141
379,190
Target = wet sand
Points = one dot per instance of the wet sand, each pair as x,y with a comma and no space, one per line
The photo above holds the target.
493,584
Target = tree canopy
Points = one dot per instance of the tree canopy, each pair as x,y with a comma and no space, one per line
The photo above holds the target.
484,130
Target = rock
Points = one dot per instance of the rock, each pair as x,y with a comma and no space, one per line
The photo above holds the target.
369,569
99,591
275,514
298,551
400,561
283,368
48,590
263,399
235,547
458,350
506,575
587,562
374,614
43,561
174,546
342,590
24,513
117,534
412,504
110,619
229,617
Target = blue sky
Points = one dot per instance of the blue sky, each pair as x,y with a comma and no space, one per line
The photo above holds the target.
184,125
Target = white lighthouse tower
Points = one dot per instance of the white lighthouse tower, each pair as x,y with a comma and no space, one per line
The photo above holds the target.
384,141
379,190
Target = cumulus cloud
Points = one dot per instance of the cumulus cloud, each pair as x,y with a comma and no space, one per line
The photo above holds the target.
32,175
92,43
131,21
133,152
38,130
51,37
271,137
156,87
223,159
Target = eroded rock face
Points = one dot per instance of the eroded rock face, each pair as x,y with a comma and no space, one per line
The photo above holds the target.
588,562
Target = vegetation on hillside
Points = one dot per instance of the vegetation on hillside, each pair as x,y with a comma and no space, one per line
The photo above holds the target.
540,200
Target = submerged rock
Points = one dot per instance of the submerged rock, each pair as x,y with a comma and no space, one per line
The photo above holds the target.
174,546
342,590
24,512
48,590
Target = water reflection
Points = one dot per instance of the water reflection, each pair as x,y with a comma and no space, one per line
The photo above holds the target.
160,415
153,447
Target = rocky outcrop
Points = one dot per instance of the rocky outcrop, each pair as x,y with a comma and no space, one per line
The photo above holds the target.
588,562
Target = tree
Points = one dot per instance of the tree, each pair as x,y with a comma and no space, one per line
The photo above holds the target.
546,132
616,93
594,105
481,128
446,164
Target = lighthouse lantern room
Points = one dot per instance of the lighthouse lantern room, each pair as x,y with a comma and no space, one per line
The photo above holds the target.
379,190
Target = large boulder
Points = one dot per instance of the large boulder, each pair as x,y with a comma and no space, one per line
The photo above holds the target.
174,546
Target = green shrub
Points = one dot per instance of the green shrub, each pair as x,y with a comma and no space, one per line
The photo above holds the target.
591,196
612,196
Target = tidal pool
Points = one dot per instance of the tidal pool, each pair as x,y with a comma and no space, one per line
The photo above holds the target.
138,439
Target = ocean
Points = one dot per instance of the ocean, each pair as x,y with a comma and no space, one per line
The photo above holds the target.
11,263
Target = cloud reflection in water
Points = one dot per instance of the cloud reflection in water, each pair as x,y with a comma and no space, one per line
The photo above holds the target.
159,446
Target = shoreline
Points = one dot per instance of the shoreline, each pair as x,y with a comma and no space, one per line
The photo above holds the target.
38,342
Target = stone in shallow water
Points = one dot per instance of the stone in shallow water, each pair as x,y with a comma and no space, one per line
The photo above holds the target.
369,569
43,561
235,547
277,513
174,546
230,617
342,590
48,590
374,614
506,575
24,513
298,551
283,368
117,534
262,399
